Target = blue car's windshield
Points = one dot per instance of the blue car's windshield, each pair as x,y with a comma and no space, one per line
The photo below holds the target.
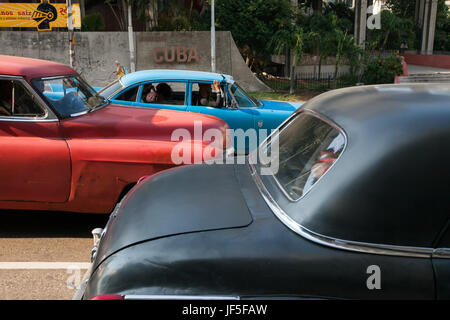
69,95
242,98
111,89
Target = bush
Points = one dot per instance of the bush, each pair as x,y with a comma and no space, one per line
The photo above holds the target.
93,22
383,70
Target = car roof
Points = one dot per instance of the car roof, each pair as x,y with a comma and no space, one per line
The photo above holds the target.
352,107
164,74
32,68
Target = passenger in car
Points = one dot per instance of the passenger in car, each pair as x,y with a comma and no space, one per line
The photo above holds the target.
149,94
164,92
205,95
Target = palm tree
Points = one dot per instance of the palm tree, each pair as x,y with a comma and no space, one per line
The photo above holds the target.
289,38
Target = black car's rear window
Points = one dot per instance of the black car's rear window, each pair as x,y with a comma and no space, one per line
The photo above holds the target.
308,147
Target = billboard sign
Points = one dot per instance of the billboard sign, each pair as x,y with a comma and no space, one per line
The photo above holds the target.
44,16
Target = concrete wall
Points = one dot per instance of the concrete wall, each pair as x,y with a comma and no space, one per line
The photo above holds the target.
95,52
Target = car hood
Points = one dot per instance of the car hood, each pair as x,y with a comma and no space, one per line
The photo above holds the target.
182,200
123,122
280,105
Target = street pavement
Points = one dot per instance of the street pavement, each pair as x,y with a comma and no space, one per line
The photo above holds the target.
43,255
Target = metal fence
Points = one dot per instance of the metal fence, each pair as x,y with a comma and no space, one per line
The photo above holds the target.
308,81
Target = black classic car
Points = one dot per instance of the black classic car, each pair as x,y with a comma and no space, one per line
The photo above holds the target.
358,206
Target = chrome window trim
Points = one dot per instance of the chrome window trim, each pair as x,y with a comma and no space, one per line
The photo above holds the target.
49,115
115,92
59,77
354,246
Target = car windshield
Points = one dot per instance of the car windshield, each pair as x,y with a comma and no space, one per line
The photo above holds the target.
69,95
307,148
242,98
111,89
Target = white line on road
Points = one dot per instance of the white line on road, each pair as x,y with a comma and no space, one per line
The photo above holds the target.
44,265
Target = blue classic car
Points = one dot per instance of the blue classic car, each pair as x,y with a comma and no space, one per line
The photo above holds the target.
186,91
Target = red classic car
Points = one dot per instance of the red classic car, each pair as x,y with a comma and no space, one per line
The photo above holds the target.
72,150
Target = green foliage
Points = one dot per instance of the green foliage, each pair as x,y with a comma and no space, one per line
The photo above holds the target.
383,70
93,22
402,8
442,35
174,16
253,23
345,15
289,38
394,30
326,35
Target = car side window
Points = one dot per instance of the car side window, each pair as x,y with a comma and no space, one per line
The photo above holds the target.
164,93
17,101
204,94
128,95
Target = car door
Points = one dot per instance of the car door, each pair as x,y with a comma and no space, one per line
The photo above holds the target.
34,158
240,120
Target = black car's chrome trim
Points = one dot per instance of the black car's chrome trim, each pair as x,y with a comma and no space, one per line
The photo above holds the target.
178,297
382,249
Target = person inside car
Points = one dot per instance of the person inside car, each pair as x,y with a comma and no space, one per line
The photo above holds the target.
149,94
205,95
164,92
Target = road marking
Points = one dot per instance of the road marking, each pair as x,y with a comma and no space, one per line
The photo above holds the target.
43,265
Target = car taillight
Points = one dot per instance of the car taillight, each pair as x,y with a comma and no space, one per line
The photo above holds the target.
108,297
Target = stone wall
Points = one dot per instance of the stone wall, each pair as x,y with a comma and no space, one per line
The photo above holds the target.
95,52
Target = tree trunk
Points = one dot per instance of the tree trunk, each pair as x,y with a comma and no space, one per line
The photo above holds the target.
335,76
118,17
82,9
125,12
320,68
292,80
152,15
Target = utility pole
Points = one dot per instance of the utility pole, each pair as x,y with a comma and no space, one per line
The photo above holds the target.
131,38
70,31
213,39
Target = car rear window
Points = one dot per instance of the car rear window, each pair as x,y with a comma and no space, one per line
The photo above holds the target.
308,147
